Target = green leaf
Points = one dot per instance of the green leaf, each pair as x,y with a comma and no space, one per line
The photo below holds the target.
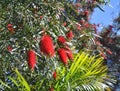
14,81
22,80
85,72
4,84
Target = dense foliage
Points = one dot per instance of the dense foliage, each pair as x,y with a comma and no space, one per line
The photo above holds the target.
40,43
111,34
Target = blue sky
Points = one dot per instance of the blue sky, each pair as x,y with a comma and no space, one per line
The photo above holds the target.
105,18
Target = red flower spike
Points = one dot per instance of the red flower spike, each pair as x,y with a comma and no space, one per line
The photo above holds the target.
10,28
41,17
70,35
51,89
103,55
63,55
31,59
61,40
97,42
55,75
86,25
109,51
64,24
9,48
69,54
82,22
78,27
86,13
46,46
9,25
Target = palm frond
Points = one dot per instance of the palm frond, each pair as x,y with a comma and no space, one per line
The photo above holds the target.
4,84
20,82
86,73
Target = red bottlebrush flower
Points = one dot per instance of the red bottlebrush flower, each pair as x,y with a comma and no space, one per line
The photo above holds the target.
10,28
70,35
61,39
86,25
55,75
78,27
9,25
97,42
82,22
103,55
64,24
51,89
31,59
63,55
69,54
46,46
109,51
86,13
41,17
9,48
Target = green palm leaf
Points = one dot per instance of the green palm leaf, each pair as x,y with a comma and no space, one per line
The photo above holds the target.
86,73
21,83
4,84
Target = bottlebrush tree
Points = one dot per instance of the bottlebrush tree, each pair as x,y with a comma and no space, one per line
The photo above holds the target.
111,50
42,39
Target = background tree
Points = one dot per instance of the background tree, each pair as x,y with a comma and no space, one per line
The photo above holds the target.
111,35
